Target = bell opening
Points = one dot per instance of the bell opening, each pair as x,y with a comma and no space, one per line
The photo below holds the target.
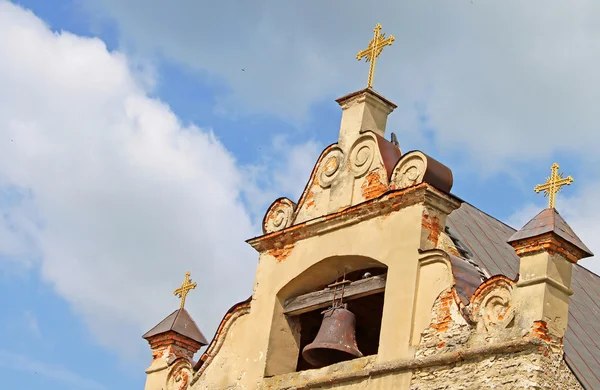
321,357
367,312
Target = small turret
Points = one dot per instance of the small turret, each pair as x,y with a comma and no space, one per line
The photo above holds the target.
548,248
174,341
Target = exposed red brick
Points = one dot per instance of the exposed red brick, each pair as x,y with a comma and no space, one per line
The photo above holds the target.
282,253
172,338
441,312
433,225
547,243
485,287
172,351
373,186
539,330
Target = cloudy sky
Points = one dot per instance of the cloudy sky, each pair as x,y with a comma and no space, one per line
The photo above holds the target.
141,139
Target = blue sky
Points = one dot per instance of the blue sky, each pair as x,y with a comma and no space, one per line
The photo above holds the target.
133,148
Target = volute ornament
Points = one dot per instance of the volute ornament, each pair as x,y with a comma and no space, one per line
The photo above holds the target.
410,170
416,167
362,155
279,216
330,167
179,376
491,305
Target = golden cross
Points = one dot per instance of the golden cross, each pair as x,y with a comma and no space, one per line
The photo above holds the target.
373,51
182,291
553,185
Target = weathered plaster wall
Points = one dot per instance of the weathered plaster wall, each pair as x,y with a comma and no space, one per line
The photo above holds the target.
228,366
474,347
487,325
354,247
272,345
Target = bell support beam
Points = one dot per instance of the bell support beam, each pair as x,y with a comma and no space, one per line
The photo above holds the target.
321,299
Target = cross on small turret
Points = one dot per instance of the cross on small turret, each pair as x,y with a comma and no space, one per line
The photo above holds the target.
185,288
373,51
553,185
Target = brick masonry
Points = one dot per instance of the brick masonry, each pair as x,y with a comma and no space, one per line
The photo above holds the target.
540,366
523,370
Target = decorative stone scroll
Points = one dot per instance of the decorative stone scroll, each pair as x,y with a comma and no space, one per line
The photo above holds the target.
279,216
416,167
409,171
362,155
330,166
491,305
180,375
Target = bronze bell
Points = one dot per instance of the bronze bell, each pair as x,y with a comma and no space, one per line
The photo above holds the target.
336,340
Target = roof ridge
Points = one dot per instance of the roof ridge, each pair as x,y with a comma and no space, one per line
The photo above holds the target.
160,323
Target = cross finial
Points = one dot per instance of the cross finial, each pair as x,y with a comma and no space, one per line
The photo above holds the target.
182,291
553,185
373,51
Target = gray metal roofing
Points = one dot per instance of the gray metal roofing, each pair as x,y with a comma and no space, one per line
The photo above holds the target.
180,322
549,220
486,239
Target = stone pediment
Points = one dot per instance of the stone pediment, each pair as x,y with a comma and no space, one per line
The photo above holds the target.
361,166
369,168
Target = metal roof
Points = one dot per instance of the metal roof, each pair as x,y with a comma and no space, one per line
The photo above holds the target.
486,239
549,220
180,322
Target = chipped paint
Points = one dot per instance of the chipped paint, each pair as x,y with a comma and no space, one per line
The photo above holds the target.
387,203
539,330
373,185
280,254
547,243
488,285
442,316
313,180
215,345
432,224
171,345
310,199
182,376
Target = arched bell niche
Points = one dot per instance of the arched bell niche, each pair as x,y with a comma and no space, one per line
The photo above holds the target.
301,302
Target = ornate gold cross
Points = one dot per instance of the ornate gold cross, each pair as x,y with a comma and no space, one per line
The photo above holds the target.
182,291
373,51
553,185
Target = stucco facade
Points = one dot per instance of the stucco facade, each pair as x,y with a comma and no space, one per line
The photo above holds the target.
368,206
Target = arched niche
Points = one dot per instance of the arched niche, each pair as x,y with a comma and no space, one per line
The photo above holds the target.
290,331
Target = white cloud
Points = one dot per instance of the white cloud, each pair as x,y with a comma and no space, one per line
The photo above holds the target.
283,171
49,371
297,163
502,81
17,237
503,84
117,197
582,214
